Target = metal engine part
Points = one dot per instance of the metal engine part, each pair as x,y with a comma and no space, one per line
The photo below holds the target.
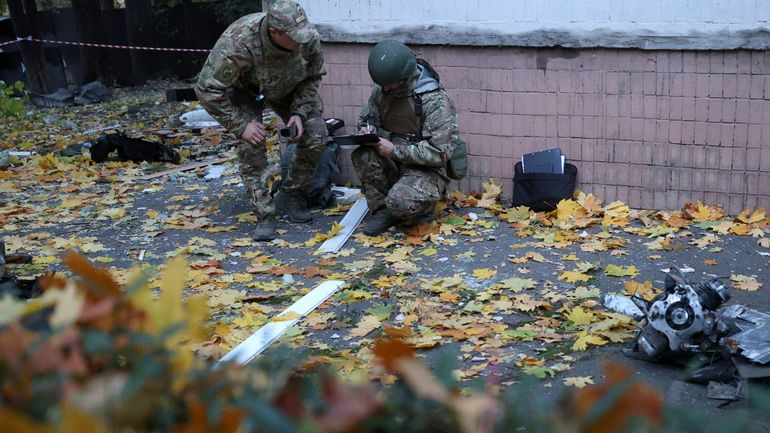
683,318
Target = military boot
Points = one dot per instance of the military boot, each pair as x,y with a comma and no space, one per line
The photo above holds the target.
294,206
265,230
380,223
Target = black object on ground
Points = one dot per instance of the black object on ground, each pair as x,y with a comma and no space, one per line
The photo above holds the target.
89,93
132,149
186,94
10,284
542,192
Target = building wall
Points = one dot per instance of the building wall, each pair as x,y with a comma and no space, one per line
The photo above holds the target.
655,129
647,24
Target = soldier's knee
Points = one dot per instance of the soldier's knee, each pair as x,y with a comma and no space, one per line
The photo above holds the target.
315,134
405,204
363,155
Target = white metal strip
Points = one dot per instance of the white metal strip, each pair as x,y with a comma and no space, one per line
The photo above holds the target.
349,223
260,340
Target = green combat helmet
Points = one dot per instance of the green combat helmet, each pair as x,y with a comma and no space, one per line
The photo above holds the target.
391,62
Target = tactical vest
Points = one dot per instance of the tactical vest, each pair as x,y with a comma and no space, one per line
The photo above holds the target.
402,116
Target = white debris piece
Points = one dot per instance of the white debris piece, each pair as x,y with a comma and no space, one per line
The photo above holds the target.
198,119
215,172
266,335
622,304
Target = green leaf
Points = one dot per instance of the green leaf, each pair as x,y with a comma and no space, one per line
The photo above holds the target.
455,220
619,271
518,284
382,312
472,307
540,372
520,334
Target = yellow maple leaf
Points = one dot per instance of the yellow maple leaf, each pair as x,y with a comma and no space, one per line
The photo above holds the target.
579,381
320,237
749,217
492,189
567,209
48,162
584,339
286,316
590,203
115,213
365,326
644,289
574,276
250,320
47,260
743,282
704,212
484,273
580,317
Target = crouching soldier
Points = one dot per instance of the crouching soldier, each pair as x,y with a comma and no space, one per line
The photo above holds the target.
278,55
406,173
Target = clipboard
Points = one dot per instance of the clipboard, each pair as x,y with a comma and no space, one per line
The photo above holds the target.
356,139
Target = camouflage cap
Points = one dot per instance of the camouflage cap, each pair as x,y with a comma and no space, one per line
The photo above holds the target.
287,16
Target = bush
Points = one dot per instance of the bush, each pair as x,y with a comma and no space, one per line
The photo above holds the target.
10,104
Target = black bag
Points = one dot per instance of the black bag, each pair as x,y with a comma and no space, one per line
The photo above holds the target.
541,192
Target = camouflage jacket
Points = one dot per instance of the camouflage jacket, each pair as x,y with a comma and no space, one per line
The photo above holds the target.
245,62
440,124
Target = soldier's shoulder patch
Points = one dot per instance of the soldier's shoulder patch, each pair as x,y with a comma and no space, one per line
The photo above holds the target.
226,73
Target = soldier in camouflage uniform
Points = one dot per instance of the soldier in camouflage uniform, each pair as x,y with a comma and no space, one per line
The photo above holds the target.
404,174
276,55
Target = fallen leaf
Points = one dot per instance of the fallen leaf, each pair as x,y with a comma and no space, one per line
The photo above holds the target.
484,273
743,282
579,381
619,271
286,316
580,317
574,276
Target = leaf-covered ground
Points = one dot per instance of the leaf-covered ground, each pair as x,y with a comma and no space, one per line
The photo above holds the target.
518,292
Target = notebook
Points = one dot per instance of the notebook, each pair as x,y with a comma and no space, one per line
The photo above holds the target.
546,161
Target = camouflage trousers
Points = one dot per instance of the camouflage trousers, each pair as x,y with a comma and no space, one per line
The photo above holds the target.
258,170
408,192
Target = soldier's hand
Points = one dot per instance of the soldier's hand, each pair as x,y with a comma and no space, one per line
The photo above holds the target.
368,129
254,133
385,148
296,120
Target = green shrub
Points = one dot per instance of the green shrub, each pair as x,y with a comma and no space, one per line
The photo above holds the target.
10,104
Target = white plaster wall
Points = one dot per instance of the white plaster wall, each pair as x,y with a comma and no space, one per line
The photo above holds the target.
613,23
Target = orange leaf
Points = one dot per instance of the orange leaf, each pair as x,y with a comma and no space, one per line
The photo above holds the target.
633,401
397,333
390,351
97,282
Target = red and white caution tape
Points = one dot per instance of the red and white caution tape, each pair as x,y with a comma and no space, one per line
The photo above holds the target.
126,47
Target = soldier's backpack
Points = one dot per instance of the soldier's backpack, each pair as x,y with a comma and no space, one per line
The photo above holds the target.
457,165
